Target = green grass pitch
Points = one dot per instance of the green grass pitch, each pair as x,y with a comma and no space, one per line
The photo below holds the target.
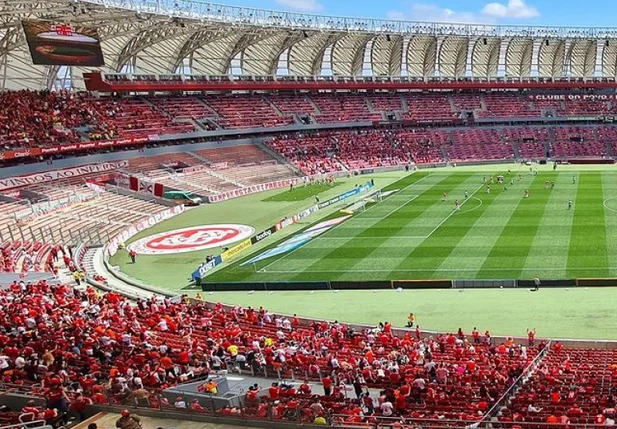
556,313
414,234
301,192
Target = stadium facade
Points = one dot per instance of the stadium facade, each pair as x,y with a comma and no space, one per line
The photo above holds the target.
186,37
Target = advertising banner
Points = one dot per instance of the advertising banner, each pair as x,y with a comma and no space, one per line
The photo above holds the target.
74,147
298,240
233,251
251,190
67,173
290,244
201,272
263,235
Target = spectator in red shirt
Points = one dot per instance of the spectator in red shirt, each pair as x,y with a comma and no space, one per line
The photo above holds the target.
274,391
575,411
305,388
327,385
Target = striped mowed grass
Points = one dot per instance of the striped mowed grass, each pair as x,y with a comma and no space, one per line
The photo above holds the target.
417,234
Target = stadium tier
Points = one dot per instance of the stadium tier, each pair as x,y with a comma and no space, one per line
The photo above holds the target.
124,354
73,119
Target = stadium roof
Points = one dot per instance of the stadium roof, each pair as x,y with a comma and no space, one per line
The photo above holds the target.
179,36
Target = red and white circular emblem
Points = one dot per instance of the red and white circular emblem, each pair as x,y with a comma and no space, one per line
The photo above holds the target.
191,239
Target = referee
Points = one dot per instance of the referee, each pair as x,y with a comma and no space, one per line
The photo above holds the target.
536,284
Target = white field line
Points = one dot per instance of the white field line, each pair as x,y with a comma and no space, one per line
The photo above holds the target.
398,208
411,270
373,236
360,217
349,238
453,212
335,226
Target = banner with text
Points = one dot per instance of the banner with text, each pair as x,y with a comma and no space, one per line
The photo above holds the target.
573,97
251,190
74,147
67,173
291,244
234,250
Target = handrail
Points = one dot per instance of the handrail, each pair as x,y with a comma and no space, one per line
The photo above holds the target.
520,380
32,424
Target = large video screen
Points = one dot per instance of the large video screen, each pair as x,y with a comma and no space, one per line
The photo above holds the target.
55,44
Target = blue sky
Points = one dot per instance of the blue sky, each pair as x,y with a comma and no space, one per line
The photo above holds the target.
533,12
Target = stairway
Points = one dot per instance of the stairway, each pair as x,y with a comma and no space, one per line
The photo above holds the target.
159,109
195,185
609,149
225,178
215,173
315,106
199,158
274,106
452,104
482,103
444,153
528,373
404,103
517,152
207,106
551,139
343,165
214,117
371,108
281,159
88,260
198,124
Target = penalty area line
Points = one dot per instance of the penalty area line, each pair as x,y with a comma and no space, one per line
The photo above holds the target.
336,226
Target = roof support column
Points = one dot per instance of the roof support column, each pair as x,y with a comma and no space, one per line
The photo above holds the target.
471,43
567,62
535,57
503,53
440,40
600,44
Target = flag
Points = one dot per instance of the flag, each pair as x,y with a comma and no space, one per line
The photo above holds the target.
158,190
134,183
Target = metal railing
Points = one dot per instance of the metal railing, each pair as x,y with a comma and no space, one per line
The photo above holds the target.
225,14
26,425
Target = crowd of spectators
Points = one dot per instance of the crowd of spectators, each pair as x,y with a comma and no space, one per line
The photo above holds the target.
26,256
36,119
44,118
76,347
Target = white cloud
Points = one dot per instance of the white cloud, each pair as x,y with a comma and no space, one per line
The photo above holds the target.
490,13
433,13
516,9
300,5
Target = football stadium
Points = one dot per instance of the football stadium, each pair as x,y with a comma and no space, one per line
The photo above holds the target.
218,216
